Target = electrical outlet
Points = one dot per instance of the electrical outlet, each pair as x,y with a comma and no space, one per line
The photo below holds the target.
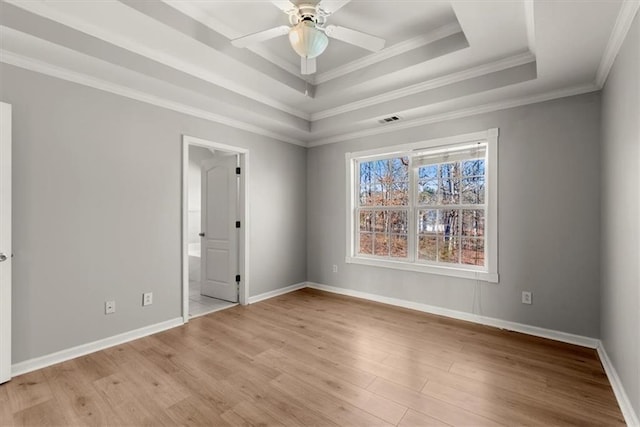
335,268
147,298
527,297
109,307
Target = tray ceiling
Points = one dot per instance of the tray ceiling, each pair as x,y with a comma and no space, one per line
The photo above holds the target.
441,58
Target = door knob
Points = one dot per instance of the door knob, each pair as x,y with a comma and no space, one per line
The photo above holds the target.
201,234
3,257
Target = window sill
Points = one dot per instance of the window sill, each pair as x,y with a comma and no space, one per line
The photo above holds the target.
431,269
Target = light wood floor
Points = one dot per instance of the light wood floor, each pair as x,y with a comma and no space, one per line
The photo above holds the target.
312,358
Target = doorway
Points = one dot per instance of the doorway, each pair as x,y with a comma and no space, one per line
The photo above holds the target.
215,228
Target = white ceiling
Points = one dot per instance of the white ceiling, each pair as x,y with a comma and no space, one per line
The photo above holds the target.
442,59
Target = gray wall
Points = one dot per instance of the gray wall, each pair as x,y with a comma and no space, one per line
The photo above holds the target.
620,307
549,219
97,211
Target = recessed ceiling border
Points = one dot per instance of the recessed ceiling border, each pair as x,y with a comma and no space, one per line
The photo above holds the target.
480,70
41,67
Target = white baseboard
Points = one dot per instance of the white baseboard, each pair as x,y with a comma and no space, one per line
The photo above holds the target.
461,315
277,292
81,350
631,418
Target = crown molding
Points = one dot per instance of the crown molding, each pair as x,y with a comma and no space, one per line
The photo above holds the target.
628,10
531,24
31,64
41,8
502,64
390,52
456,114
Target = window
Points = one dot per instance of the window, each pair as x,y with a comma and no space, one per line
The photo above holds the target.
429,206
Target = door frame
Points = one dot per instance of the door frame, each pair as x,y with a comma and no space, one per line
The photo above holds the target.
243,214
5,235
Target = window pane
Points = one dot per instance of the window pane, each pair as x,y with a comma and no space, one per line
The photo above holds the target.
472,222
428,192
398,222
365,195
398,246
427,173
448,222
399,195
381,221
448,249
473,251
366,221
427,221
384,182
450,183
427,248
366,243
473,167
473,190
381,244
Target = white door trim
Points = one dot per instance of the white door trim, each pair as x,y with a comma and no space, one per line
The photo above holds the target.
243,213
5,242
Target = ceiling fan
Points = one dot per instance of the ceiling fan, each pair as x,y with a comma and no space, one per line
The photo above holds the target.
309,33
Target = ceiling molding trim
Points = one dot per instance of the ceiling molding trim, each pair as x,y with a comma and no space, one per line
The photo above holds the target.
221,28
390,52
31,64
628,10
42,9
464,112
531,25
481,70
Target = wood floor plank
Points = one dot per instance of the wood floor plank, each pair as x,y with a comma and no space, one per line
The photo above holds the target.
287,409
416,419
595,399
6,413
193,411
28,390
317,359
445,412
121,395
47,413
339,411
536,404
359,397
76,396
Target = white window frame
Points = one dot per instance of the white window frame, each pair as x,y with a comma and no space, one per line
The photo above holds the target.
489,272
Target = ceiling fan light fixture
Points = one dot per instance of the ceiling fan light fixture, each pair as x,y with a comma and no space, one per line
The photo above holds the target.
308,41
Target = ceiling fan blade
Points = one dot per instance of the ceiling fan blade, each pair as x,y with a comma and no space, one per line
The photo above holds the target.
332,6
284,5
261,36
365,41
307,66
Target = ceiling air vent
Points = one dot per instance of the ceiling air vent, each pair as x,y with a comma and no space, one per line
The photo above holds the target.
389,119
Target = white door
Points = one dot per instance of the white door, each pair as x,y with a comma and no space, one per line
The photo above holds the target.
219,235
5,242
